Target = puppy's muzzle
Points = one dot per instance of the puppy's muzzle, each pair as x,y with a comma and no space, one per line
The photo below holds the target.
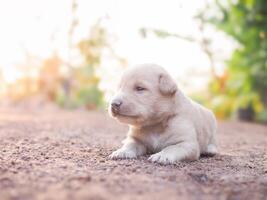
115,106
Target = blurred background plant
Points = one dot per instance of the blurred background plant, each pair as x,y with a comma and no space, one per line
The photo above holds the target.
243,91
215,49
82,88
80,85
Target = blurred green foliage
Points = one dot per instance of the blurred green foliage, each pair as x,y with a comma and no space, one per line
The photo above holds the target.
244,85
84,90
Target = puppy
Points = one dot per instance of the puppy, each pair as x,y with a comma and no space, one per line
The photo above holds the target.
162,121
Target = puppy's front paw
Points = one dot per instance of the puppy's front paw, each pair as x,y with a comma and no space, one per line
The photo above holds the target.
212,150
123,153
163,158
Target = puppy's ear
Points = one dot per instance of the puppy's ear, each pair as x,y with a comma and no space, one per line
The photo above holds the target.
167,86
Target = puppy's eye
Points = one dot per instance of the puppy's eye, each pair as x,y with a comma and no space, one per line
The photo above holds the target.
139,88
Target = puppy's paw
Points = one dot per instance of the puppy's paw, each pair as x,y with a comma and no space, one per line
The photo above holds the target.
163,158
211,150
123,154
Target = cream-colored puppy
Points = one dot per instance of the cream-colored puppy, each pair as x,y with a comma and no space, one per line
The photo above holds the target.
162,120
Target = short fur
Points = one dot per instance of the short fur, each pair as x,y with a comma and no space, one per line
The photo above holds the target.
162,120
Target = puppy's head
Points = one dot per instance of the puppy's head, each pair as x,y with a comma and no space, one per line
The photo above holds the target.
145,96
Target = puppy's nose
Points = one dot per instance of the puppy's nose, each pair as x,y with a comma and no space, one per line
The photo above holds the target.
116,103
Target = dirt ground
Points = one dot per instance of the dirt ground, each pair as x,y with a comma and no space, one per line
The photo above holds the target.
63,155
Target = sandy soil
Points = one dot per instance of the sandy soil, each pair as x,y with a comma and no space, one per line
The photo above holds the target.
63,155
